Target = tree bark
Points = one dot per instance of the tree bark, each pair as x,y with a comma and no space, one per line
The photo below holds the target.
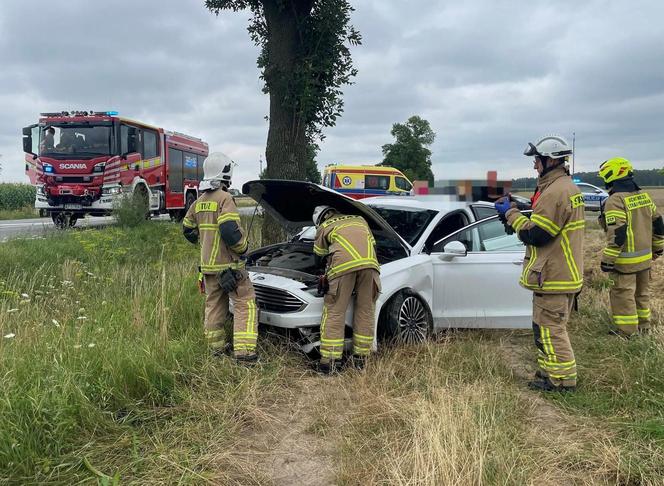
286,148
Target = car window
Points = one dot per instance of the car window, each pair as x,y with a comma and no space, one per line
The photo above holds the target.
408,223
483,212
377,182
402,183
448,225
486,235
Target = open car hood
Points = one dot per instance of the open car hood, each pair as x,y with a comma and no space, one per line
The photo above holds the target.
292,203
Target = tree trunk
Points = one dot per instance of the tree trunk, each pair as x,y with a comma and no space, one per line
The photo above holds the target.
286,148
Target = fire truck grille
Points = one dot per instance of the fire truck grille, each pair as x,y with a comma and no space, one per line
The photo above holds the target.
276,300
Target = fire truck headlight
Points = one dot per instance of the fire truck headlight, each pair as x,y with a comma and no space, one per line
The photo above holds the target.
41,191
111,190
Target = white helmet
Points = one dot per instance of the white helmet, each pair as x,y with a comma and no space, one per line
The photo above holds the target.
319,213
552,146
217,169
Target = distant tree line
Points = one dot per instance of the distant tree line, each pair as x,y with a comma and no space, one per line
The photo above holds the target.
648,177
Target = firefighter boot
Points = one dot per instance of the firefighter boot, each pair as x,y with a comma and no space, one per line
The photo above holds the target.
326,368
545,385
359,362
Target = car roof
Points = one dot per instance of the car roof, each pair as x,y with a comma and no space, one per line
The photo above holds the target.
440,203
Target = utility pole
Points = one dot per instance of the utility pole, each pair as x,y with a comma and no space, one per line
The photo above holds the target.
260,161
573,151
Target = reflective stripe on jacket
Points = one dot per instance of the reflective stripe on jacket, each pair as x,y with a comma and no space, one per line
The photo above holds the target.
630,239
210,210
350,244
557,266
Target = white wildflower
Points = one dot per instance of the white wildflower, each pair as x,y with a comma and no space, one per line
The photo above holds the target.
10,335
55,323
25,296
91,345
81,318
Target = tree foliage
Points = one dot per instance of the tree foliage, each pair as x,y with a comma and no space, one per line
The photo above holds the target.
410,153
309,71
646,177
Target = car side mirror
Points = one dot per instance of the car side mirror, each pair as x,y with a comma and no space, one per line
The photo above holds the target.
453,250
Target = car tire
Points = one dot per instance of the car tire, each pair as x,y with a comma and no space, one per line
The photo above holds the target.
405,319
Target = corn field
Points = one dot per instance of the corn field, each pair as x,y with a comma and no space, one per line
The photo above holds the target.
16,196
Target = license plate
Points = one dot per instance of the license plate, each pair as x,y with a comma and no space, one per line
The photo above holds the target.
73,206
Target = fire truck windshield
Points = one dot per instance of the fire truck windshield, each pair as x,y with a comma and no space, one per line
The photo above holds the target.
75,141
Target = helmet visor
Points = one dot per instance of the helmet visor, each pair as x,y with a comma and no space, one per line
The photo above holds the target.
531,150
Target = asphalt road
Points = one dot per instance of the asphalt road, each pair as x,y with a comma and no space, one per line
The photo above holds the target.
20,228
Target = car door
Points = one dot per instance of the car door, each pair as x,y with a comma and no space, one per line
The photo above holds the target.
592,196
476,279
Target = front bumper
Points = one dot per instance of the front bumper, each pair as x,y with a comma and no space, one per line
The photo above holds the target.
75,201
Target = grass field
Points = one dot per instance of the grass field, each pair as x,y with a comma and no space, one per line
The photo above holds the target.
104,375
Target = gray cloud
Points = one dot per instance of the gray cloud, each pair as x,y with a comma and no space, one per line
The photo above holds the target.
488,75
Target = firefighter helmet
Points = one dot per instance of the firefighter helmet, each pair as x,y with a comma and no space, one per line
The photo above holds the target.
551,146
616,168
320,212
217,169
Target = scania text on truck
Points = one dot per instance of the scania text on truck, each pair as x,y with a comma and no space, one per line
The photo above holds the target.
83,162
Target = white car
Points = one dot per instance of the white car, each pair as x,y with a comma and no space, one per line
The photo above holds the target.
444,264
593,196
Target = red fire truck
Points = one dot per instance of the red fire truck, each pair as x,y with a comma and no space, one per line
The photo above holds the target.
83,162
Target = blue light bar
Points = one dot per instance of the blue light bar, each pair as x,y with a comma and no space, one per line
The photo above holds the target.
576,181
112,113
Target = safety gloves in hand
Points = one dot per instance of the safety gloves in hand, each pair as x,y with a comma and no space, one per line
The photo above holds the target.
503,205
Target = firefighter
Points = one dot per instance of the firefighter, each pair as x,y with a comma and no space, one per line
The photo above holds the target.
634,238
553,265
349,247
214,221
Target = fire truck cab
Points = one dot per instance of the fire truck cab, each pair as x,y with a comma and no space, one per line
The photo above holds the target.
84,162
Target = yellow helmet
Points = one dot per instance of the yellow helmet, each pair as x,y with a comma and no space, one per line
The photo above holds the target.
614,169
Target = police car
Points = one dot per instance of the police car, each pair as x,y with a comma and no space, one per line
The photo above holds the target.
593,196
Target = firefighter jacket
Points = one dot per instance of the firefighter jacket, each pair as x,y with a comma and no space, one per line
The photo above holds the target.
214,219
553,236
634,228
348,242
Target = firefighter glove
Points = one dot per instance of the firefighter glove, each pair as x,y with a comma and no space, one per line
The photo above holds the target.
228,280
323,285
607,267
503,205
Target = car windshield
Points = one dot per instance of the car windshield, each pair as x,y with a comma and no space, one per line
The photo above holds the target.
63,141
408,223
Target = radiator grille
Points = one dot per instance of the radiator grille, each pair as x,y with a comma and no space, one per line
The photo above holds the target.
276,300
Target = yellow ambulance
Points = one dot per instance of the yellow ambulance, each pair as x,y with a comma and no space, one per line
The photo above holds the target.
360,181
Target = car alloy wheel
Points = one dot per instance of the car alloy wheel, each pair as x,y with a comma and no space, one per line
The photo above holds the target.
413,322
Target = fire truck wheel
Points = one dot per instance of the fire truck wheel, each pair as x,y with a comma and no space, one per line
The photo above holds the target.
63,220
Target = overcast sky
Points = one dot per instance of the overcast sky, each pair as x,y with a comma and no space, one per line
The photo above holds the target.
490,75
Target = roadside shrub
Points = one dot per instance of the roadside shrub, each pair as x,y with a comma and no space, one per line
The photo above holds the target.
16,196
131,210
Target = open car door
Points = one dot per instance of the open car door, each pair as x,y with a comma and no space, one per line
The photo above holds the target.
476,279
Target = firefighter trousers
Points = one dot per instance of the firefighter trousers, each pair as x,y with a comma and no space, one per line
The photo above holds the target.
556,357
630,301
245,318
366,284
